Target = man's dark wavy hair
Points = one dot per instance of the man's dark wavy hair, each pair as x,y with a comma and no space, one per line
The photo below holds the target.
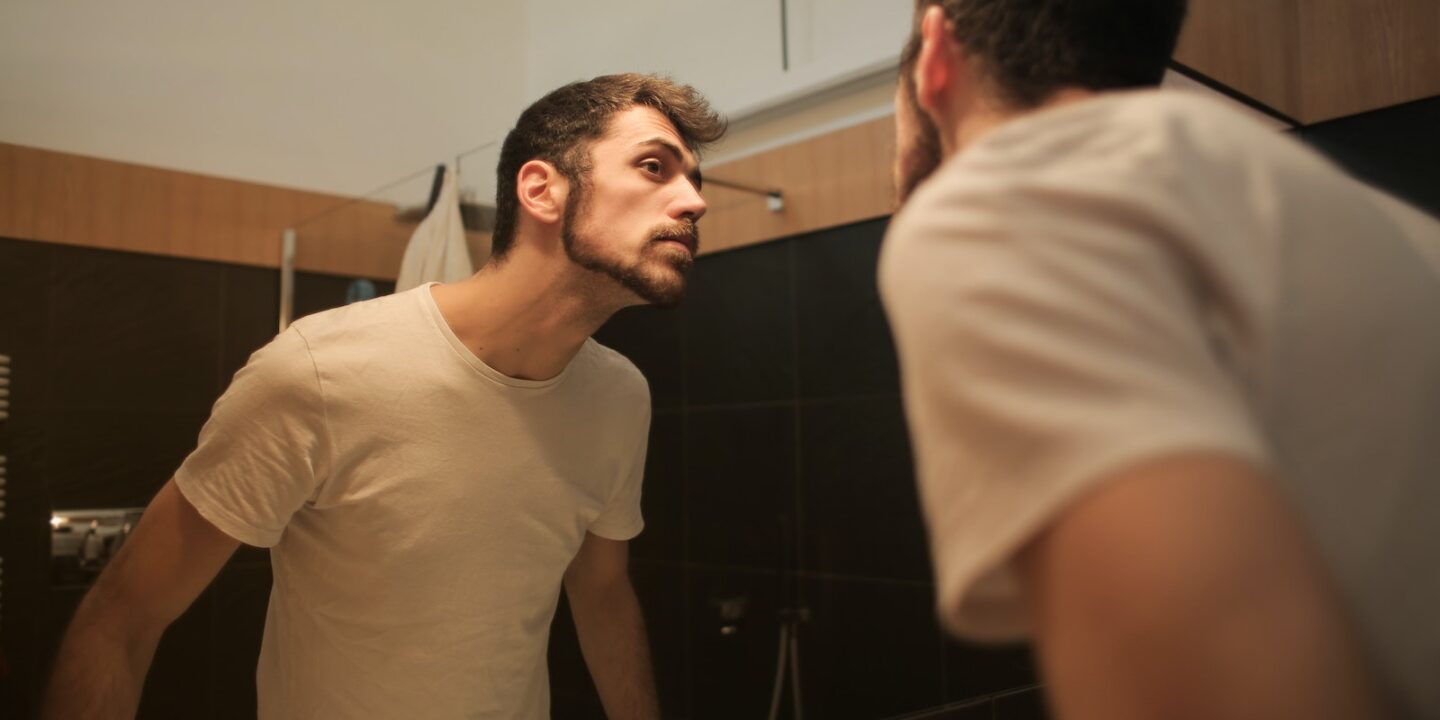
560,127
1030,49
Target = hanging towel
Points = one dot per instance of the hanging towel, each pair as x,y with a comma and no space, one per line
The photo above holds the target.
437,251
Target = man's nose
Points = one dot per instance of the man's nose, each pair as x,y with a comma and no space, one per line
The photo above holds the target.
691,205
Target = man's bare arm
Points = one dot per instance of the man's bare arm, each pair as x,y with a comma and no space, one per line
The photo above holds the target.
612,629
1185,588
172,555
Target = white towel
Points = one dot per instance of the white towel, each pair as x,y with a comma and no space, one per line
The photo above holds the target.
437,251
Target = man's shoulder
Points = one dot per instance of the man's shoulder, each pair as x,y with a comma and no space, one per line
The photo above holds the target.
1133,134
612,378
609,367
1124,154
360,320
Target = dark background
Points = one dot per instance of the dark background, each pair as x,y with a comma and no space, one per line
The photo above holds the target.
779,474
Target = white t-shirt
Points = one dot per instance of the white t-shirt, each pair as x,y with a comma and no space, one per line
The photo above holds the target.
1147,273
422,508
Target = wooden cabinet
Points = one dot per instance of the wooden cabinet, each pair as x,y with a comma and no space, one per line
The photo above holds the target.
1317,60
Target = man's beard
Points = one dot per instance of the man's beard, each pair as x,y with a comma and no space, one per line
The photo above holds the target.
654,286
922,157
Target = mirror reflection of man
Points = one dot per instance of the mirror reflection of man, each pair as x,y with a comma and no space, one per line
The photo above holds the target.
430,468
1173,379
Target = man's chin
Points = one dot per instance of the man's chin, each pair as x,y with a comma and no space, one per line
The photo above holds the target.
663,292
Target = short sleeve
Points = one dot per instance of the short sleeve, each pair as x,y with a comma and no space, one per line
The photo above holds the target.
621,518
263,452
1049,335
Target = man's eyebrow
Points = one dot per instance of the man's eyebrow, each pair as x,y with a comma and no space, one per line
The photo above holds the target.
695,178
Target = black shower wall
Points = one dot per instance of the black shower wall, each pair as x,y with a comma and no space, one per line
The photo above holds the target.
780,477
116,360
1396,149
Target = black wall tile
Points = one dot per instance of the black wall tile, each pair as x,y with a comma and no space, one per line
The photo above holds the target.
25,290
179,681
733,659
251,315
979,711
973,670
869,650
662,590
134,331
662,498
315,292
241,599
61,607
651,338
1028,705
117,458
740,486
24,443
25,542
845,343
739,328
861,510
1396,149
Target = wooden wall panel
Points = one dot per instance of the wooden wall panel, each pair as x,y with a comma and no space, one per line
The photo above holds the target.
1249,45
831,180
1317,60
75,200
1359,55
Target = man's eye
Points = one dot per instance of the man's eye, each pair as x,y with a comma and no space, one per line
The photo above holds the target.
652,166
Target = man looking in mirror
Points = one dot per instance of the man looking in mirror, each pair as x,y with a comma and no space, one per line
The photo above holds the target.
429,468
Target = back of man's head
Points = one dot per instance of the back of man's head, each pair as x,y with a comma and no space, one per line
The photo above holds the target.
560,127
1030,49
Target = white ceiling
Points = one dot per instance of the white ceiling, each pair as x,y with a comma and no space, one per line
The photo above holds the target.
333,95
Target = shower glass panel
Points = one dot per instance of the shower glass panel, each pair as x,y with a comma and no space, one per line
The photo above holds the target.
352,251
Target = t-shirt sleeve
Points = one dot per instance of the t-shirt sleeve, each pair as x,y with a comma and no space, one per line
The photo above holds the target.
621,518
1048,336
264,451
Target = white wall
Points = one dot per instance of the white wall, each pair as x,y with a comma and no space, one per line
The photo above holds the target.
730,51
333,95
344,96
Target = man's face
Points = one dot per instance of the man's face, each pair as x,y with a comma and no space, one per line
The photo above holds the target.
917,142
633,218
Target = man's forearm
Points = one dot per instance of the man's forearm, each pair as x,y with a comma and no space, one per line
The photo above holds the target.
101,667
612,638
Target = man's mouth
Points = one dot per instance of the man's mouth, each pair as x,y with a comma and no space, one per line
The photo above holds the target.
682,243
686,240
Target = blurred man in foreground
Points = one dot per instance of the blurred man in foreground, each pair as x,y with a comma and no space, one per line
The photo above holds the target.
1173,379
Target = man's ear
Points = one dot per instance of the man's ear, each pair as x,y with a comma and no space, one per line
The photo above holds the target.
937,65
542,191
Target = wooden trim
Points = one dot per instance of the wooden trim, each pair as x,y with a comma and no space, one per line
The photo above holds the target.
1361,55
834,179
1248,45
75,200
830,180
1317,60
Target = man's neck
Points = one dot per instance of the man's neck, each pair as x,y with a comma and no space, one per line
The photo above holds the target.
526,317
